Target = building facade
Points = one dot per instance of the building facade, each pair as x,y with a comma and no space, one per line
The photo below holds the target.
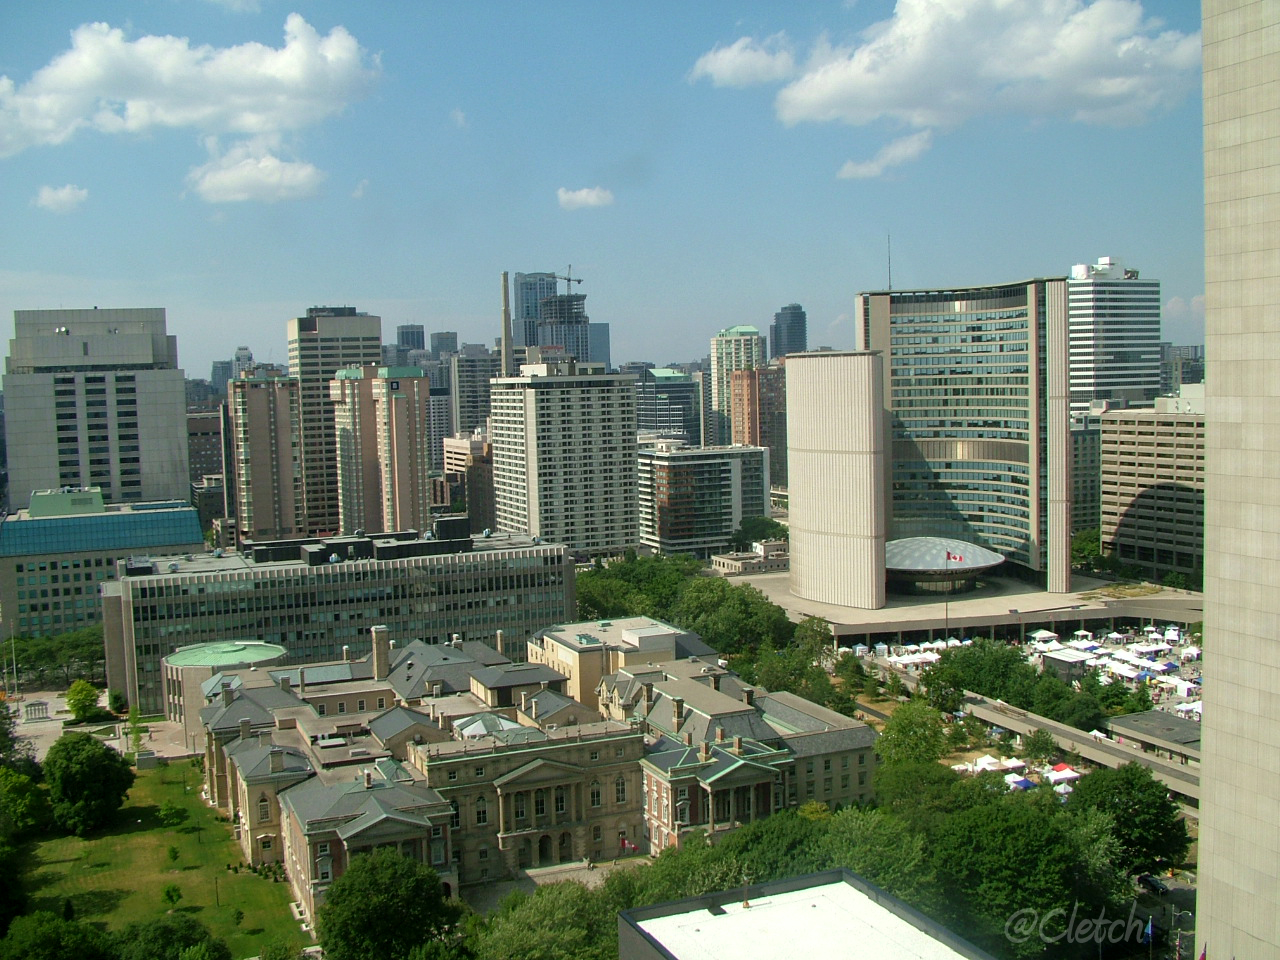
693,499
668,404
1114,330
735,348
95,398
758,414
564,456
527,291
470,373
563,322
411,336
789,332
320,344
468,462
976,392
265,417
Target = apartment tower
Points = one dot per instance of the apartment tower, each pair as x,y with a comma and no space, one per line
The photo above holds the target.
1238,906
735,348
758,414
265,418
94,398
789,332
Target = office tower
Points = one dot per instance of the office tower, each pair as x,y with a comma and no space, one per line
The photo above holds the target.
1114,326
528,290
564,456
976,393
598,344
411,336
241,362
1239,848
1086,474
789,332
204,443
737,348
838,465
320,344
470,372
693,499
394,355
443,343
265,418
758,414
94,398
668,404
219,373
1152,486
1179,364
563,322
390,425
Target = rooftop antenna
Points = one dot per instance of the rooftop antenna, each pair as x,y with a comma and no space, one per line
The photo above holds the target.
888,242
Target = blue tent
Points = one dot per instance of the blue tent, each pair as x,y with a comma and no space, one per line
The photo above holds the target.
1023,784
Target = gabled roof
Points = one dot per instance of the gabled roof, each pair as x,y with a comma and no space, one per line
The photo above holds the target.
536,771
376,812
255,704
252,758
396,720
516,675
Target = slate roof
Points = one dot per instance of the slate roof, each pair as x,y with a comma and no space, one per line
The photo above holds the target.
516,675
252,758
549,702
811,744
396,720
254,704
314,802
418,666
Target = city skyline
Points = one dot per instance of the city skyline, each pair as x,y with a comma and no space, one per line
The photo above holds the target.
746,142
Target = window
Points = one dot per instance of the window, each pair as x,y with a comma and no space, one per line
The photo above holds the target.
360,706
595,754
826,765
862,778
479,772
618,753
455,818
483,853
382,703
266,843
844,781
620,789
322,848
540,803
342,706
596,833
482,812
453,774
862,759
522,806
320,711
560,800
595,793
264,809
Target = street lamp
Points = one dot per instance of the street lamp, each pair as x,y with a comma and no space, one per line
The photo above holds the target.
1176,919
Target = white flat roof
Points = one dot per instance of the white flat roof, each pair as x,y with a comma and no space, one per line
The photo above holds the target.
820,921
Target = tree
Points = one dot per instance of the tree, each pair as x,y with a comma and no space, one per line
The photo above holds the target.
88,782
135,729
731,617
1148,825
22,805
558,921
16,751
280,950
171,814
46,936
167,938
1039,745
172,893
382,906
173,854
1086,549
919,794
117,702
913,734
755,529
82,700
13,898
884,850
1175,580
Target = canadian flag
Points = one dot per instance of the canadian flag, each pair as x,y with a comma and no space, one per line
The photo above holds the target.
954,557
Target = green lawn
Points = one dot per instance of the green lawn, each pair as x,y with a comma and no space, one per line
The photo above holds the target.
115,877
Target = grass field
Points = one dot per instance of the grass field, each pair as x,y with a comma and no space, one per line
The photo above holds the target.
117,876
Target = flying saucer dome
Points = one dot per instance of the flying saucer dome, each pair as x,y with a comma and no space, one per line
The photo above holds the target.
225,654
917,556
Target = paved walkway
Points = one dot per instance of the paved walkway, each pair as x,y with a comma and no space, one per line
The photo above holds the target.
485,897
163,737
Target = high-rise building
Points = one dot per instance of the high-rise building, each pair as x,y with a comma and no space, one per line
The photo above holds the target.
693,499
1238,903
758,414
736,348
265,419
1114,324
789,332
470,372
1179,364
320,344
468,461
390,426
976,393
598,344
444,343
837,515
411,336
564,456
108,383
1086,474
205,439
220,371
563,322
527,291
241,362
669,404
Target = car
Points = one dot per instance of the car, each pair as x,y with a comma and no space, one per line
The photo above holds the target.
1153,885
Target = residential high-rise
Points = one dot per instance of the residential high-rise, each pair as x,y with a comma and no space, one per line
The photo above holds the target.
443,343
838,464
1114,329
320,344
976,393
1238,902
241,362
468,460
470,373
789,332
411,336
669,404
94,398
758,414
564,456
693,499
736,348
527,291
265,418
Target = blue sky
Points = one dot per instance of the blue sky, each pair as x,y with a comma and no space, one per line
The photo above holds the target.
698,164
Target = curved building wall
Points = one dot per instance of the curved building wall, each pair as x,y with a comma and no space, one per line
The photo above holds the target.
836,454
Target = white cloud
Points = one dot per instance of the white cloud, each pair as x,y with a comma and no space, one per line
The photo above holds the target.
458,117
745,62
238,6
60,199
937,63
586,197
903,150
250,170
358,192
1178,310
113,85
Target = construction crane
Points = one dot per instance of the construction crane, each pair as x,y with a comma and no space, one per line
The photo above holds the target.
569,279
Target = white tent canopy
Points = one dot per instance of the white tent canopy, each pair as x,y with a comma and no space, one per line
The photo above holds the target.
1043,634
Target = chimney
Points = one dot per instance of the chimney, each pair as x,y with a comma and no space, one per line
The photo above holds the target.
534,710
437,688
227,694
457,639
381,651
749,696
368,779
688,738
715,681
497,640
346,653
524,701
246,728
392,644
648,695
737,746
704,752
677,711
302,681
545,683
277,760
285,685
719,734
